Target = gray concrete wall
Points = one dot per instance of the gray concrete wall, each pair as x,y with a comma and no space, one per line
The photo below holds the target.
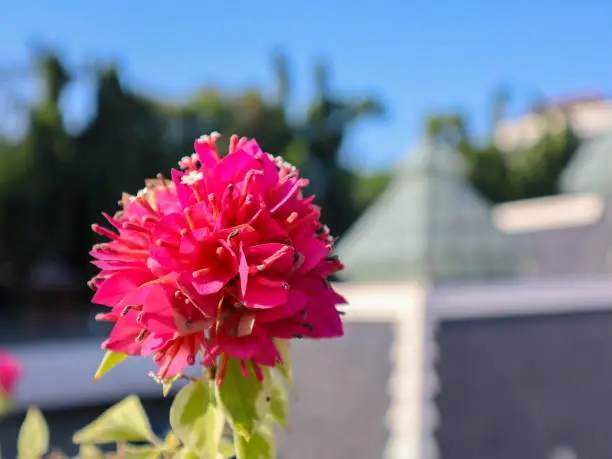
518,388
343,396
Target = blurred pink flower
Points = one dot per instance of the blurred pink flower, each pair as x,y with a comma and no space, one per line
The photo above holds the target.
217,262
10,372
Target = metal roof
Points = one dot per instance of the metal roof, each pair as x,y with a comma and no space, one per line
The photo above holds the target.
589,170
428,225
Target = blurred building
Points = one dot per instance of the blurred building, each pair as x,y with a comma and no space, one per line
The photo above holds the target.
517,308
589,115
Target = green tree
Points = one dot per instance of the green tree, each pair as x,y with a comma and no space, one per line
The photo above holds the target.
502,176
328,121
54,184
36,185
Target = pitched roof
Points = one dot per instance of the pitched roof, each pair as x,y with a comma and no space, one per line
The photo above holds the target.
589,170
428,225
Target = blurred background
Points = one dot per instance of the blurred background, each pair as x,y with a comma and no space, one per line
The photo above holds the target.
461,151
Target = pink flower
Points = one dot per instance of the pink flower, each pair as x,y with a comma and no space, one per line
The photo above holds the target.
217,262
10,373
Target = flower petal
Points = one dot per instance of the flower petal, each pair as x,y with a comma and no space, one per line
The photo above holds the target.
113,289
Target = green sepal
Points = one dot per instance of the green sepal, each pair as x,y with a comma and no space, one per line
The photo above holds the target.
110,360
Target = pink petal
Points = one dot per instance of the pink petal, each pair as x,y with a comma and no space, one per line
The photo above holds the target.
191,242
267,354
264,294
268,228
182,192
240,348
107,253
296,302
206,305
211,282
108,265
275,256
119,285
157,315
172,364
123,336
313,250
321,313
10,372
205,154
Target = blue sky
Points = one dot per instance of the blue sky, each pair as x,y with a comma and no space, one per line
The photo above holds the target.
417,56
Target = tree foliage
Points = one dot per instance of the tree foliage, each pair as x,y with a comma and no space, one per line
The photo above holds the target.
503,176
53,184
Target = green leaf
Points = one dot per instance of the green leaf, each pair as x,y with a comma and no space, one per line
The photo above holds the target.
245,400
90,452
141,452
125,421
171,442
279,405
5,405
33,441
262,445
226,448
282,345
110,360
184,453
196,419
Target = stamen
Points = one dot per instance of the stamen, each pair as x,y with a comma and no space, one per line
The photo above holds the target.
189,218
104,232
171,354
200,273
233,234
292,217
243,367
301,183
166,244
257,371
212,199
233,143
192,178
